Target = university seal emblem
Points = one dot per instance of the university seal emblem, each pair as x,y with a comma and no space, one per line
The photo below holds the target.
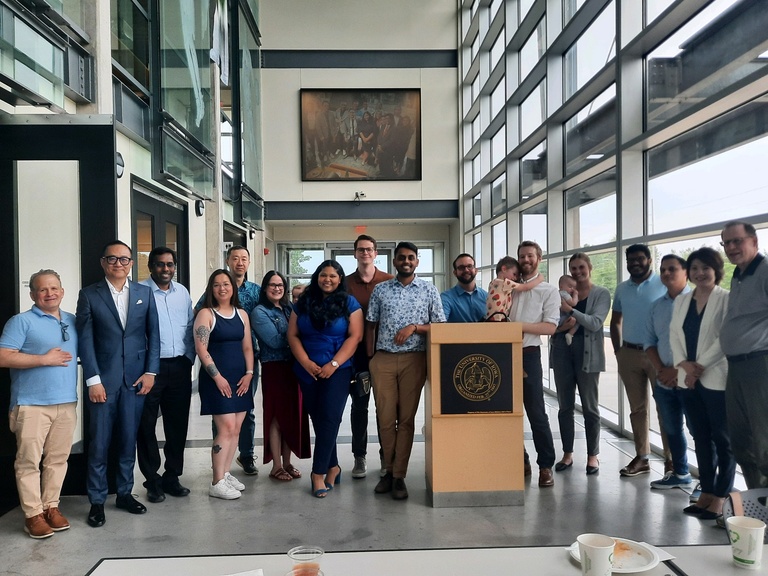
477,377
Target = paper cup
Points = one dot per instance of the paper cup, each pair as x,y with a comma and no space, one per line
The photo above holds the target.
746,536
306,560
596,554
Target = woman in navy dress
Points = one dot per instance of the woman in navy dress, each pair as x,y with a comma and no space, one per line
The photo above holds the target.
223,344
286,424
323,334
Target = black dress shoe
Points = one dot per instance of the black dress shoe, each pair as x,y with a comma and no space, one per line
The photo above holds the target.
128,503
591,470
175,489
154,491
399,491
96,516
560,466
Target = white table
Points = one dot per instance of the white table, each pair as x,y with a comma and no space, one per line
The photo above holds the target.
545,561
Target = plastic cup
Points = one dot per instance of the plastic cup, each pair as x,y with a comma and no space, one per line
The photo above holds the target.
596,554
306,560
746,536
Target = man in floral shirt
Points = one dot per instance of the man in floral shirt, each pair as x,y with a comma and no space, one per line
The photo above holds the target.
403,309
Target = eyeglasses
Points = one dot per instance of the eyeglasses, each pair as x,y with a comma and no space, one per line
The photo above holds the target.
64,333
366,250
164,264
276,286
467,267
124,260
735,242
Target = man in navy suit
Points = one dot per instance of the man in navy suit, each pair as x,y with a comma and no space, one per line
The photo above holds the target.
119,348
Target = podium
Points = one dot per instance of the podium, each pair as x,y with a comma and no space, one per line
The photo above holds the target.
474,415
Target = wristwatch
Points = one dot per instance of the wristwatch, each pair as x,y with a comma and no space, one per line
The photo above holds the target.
334,364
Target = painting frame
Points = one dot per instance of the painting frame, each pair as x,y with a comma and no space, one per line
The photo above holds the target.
360,134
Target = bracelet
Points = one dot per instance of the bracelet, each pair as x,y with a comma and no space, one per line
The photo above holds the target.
415,329
249,372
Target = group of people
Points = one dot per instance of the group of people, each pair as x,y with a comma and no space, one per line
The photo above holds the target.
705,352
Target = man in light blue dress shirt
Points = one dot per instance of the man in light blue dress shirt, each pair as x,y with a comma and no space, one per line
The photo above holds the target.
172,391
465,302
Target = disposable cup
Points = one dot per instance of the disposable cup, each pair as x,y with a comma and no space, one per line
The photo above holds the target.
306,560
299,571
746,536
596,554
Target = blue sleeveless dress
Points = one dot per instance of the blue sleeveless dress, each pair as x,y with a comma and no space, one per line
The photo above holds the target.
225,346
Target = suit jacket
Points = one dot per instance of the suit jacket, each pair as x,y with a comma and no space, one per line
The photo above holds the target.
118,356
708,352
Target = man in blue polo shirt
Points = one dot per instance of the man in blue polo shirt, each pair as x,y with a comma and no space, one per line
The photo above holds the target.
631,306
40,348
465,302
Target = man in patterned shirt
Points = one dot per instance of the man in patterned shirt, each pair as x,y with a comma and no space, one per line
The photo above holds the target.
402,309
238,260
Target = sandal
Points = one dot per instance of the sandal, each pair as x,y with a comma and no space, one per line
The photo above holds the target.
292,470
281,474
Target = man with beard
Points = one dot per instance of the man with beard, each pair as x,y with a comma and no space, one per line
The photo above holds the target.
629,330
744,340
465,302
403,309
538,310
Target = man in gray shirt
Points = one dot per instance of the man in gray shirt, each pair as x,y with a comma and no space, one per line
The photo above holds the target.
744,340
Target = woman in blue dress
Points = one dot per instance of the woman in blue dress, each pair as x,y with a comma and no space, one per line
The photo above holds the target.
223,344
323,334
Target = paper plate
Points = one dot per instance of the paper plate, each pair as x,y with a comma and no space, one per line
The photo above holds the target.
628,556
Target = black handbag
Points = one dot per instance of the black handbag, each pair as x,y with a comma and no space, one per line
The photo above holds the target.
362,383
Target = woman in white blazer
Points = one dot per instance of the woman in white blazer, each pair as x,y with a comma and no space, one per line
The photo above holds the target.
702,368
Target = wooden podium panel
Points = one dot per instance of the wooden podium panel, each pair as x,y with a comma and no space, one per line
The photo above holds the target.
474,434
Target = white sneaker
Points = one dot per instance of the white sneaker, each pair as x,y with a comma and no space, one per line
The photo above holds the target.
234,482
222,489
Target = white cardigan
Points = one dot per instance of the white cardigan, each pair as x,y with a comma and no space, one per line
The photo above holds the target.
708,352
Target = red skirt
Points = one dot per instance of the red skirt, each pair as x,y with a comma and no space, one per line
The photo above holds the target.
282,401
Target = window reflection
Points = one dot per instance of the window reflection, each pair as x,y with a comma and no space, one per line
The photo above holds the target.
532,110
533,171
590,135
533,49
590,212
591,52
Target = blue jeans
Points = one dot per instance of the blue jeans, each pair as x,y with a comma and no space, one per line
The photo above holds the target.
671,408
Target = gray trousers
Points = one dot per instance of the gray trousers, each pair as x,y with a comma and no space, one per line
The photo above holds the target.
566,364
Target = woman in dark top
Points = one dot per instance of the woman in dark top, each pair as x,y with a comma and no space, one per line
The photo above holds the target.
223,344
323,334
286,425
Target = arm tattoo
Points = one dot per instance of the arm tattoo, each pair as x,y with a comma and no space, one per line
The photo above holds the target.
212,370
203,334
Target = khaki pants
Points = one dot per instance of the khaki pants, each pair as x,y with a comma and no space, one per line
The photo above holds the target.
42,433
397,381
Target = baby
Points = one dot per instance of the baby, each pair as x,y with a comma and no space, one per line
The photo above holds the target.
499,302
570,295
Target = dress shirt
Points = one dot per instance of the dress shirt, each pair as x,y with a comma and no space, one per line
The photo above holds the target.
634,301
121,301
462,306
175,316
659,319
395,306
540,304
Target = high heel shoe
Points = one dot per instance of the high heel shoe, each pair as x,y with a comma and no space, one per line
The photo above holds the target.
319,492
336,480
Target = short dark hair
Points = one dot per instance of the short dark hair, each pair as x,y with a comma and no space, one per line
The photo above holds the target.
462,255
210,301
748,228
679,259
708,257
115,243
508,262
408,246
365,237
159,251
638,248
530,243
263,300
238,247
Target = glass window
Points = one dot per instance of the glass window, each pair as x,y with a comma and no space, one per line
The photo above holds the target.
716,49
532,110
186,166
570,7
525,5
475,91
477,248
499,146
591,52
499,195
476,170
713,173
533,171
130,39
498,98
499,236
653,8
533,49
497,50
534,224
185,39
590,135
476,129
477,210
590,212
475,47
250,106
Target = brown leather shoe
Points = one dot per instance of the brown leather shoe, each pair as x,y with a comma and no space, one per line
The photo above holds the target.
527,469
636,467
55,519
545,478
37,527
669,467
385,484
399,491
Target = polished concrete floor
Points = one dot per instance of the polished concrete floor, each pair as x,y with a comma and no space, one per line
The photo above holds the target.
272,516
